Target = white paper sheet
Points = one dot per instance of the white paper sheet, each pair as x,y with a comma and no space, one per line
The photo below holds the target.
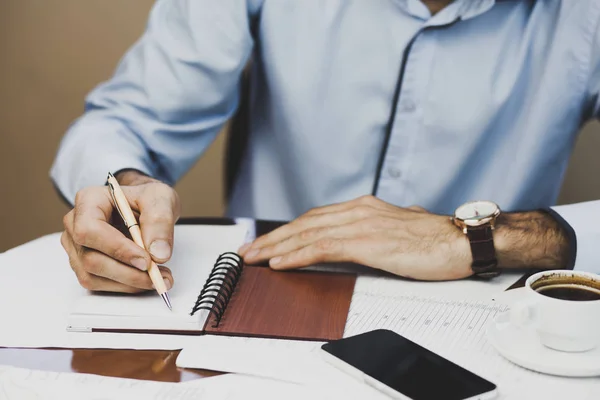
471,289
198,249
452,328
287,360
26,384
39,289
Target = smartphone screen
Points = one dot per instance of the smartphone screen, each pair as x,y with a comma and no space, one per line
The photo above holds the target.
407,368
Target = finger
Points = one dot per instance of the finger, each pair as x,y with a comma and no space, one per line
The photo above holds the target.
167,276
417,209
67,244
324,250
159,210
306,238
360,208
90,228
87,280
100,284
298,228
304,223
370,201
73,250
96,271
100,265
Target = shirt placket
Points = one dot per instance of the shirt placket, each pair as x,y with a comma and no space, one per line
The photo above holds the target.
396,183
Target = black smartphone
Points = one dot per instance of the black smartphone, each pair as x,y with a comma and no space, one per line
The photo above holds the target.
403,369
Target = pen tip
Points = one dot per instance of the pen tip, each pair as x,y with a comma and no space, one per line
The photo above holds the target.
165,297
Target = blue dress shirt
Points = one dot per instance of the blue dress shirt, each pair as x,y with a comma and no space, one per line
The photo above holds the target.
481,101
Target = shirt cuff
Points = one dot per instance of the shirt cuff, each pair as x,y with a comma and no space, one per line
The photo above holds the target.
583,233
570,232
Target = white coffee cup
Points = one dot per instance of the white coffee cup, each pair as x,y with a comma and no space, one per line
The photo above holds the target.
565,325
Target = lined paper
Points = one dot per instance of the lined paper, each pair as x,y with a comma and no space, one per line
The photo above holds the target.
471,289
456,329
422,319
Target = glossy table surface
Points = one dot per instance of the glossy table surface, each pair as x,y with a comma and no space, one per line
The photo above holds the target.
137,364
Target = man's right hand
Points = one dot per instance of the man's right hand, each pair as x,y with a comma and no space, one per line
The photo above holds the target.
101,256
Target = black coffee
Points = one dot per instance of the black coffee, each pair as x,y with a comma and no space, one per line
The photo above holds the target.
570,292
565,287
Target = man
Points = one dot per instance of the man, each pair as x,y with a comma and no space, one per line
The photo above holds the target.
371,123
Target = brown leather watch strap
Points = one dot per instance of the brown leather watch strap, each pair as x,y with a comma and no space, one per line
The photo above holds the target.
485,263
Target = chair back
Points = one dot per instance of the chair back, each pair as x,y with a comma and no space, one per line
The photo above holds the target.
237,136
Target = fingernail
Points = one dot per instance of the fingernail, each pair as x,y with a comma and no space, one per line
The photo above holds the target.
244,248
167,283
275,260
140,263
160,249
253,253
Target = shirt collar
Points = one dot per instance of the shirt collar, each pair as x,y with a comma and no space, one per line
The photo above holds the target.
459,9
473,8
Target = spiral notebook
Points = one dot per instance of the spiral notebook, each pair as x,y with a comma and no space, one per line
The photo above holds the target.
215,293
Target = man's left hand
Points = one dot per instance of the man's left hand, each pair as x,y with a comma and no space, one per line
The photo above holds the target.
410,242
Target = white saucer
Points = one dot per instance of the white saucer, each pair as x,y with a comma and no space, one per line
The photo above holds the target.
511,296
522,347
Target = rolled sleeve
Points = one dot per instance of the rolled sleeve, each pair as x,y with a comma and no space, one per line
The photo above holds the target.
171,94
580,223
106,147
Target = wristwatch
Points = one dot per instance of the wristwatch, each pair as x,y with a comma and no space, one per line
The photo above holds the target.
476,219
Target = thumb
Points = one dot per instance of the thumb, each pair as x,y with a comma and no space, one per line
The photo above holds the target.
158,205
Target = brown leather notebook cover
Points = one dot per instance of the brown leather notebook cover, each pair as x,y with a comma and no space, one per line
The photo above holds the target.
302,305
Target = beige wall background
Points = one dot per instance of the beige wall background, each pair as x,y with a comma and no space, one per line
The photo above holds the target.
52,52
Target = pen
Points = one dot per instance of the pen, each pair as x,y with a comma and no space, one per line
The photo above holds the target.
122,206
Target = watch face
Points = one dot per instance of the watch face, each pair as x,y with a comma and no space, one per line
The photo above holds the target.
477,211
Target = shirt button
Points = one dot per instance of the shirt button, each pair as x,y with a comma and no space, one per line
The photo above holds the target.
394,172
409,106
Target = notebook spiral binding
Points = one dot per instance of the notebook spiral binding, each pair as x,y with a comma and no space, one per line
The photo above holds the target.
219,286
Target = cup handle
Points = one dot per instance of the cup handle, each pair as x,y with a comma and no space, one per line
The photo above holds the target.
523,314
